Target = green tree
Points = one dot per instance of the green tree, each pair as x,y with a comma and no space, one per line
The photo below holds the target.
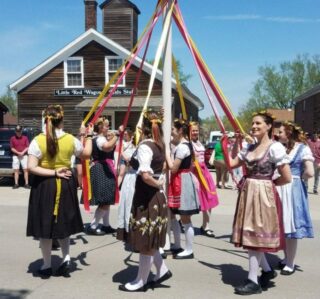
10,100
277,87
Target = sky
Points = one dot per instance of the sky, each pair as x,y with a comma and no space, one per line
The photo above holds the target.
235,37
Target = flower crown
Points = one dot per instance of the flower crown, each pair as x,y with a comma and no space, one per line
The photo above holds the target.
59,115
193,123
153,116
264,113
294,126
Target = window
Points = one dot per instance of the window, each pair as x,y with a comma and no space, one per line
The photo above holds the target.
73,72
112,64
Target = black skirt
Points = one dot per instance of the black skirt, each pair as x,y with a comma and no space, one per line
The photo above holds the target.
103,183
41,221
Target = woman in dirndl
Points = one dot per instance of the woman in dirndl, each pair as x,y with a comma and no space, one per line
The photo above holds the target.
53,204
257,224
207,189
294,196
148,221
182,195
103,177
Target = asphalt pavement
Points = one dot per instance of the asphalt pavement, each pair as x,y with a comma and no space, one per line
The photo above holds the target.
100,263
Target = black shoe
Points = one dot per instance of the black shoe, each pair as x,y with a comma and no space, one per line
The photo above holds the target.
163,278
207,232
175,251
164,255
183,257
64,269
108,229
27,186
315,192
281,265
248,288
265,278
286,272
15,186
45,273
123,288
94,231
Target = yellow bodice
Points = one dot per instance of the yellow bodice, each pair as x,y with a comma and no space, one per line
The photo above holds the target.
63,156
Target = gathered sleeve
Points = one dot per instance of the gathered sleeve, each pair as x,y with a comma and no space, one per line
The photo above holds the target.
278,154
101,140
182,151
34,149
78,147
307,154
243,152
144,156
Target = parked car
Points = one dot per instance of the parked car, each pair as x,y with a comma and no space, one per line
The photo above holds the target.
5,150
208,151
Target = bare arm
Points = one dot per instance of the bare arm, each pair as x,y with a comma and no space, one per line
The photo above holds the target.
87,150
33,166
285,175
150,180
173,165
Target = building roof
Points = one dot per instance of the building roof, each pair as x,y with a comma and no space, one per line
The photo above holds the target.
3,108
85,38
282,114
122,2
309,93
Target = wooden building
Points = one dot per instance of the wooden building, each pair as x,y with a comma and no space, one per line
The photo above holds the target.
307,110
281,116
75,75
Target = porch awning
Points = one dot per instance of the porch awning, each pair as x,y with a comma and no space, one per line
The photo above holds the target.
121,103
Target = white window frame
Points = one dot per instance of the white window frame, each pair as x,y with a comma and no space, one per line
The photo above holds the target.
106,62
65,64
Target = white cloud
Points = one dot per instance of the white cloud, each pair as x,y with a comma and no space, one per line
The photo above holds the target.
253,17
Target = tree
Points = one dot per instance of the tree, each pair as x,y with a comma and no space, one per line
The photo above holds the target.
10,100
277,87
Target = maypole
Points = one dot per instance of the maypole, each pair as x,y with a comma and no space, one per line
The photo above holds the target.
167,82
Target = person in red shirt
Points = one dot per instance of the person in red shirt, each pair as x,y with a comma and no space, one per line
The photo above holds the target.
19,147
314,144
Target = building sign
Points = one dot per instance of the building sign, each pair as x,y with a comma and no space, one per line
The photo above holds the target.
74,92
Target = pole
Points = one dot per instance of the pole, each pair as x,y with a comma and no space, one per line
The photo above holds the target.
167,106
167,84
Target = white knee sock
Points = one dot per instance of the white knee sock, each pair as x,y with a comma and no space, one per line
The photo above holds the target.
145,262
65,248
160,265
106,217
264,263
97,217
291,250
254,262
176,233
189,235
46,246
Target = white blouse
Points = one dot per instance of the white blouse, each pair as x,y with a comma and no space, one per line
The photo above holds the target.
144,156
182,151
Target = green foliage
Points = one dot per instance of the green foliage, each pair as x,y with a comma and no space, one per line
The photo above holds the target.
277,87
10,100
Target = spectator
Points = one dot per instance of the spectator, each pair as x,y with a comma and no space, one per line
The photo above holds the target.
220,166
19,147
314,144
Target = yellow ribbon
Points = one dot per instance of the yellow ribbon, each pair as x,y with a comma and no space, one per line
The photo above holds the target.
57,199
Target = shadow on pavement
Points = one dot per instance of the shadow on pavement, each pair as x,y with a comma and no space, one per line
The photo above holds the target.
128,274
231,274
14,294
